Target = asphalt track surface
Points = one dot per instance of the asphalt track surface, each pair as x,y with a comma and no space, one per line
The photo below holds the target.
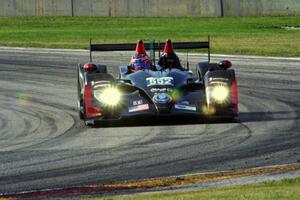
44,145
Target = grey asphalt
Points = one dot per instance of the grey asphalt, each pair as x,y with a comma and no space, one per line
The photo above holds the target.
43,144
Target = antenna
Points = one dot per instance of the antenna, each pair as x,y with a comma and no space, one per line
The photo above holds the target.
208,48
153,44
90,50
158,46
187,61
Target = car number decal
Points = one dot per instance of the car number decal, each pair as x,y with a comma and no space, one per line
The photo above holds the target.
159,81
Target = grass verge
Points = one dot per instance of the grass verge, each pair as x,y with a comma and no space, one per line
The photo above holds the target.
230,35
197,178
154,183
279,190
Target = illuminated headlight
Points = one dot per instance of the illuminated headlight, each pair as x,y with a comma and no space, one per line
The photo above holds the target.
220,93
109,96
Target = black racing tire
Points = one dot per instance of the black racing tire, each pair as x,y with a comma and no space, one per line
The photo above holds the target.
80,113
79,99
232,74
89,123
79,95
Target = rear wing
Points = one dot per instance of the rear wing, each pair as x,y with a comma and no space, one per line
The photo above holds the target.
150,46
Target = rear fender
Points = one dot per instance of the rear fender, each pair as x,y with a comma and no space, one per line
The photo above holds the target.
203,67
84,77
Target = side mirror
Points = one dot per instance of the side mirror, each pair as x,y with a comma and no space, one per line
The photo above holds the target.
224,64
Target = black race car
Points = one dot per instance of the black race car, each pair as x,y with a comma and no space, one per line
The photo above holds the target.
211,92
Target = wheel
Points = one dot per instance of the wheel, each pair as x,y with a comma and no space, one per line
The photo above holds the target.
89,122
80,114
80,108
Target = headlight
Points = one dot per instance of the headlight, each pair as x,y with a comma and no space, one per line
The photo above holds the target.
220,93
109,96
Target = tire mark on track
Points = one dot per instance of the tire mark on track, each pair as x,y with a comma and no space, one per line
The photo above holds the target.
74,154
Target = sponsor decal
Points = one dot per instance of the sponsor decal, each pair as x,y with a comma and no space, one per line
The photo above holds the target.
139,108
217,79
162,98
159,81
137,102
185,107
184,103
161,90
100,83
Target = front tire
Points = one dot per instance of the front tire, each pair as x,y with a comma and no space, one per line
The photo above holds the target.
80,108
89,122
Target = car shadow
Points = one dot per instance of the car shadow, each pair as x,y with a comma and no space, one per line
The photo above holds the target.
243,117
268,116
162,121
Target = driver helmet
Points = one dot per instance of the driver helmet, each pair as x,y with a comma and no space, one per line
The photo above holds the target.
140,63
140,60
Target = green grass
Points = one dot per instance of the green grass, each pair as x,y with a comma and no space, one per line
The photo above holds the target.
230,35
285,190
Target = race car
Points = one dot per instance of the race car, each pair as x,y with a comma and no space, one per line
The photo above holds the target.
211,92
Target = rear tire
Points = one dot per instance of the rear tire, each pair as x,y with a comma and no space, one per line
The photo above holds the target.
81,115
